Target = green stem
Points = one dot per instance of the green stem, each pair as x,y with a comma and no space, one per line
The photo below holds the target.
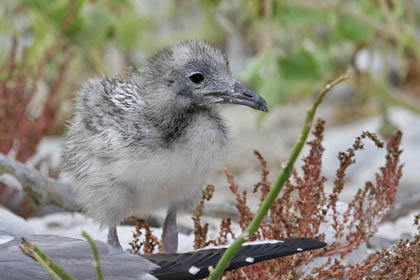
50,266
95,255
281,180
39,259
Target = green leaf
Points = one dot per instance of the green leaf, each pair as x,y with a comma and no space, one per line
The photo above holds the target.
264,76
352,30
253,72
57,12
128,29
297,16
300,64
96,28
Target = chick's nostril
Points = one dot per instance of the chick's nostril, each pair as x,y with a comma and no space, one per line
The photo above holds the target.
247,95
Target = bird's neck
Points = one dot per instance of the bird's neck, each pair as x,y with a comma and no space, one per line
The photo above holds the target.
174,123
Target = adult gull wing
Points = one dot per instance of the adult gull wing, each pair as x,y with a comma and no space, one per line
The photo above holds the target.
75,255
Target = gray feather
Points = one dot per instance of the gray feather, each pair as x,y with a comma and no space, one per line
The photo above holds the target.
74,255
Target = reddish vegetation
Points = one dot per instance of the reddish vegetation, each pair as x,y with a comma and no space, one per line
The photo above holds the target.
200,232
399,262
19,82
150,241
22,132
303,206
19,130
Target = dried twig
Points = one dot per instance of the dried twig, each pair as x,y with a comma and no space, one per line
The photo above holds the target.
41,189
150,240
200,232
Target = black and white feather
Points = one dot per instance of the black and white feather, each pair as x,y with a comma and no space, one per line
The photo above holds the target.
75,256
195,265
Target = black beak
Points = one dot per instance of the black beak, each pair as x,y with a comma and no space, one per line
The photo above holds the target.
240,94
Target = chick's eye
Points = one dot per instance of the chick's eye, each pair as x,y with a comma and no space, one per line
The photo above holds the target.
196,77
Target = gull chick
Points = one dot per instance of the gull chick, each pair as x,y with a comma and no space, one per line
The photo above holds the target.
151,140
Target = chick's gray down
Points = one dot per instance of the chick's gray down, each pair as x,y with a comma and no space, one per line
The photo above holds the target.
151,140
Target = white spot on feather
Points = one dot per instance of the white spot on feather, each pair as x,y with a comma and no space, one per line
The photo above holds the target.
193,270
250,259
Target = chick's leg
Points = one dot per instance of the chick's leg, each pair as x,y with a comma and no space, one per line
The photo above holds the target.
170,232
113,238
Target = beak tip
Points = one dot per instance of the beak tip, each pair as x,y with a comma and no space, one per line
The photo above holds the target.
264,108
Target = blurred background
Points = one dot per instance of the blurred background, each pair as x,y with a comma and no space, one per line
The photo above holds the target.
286,50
